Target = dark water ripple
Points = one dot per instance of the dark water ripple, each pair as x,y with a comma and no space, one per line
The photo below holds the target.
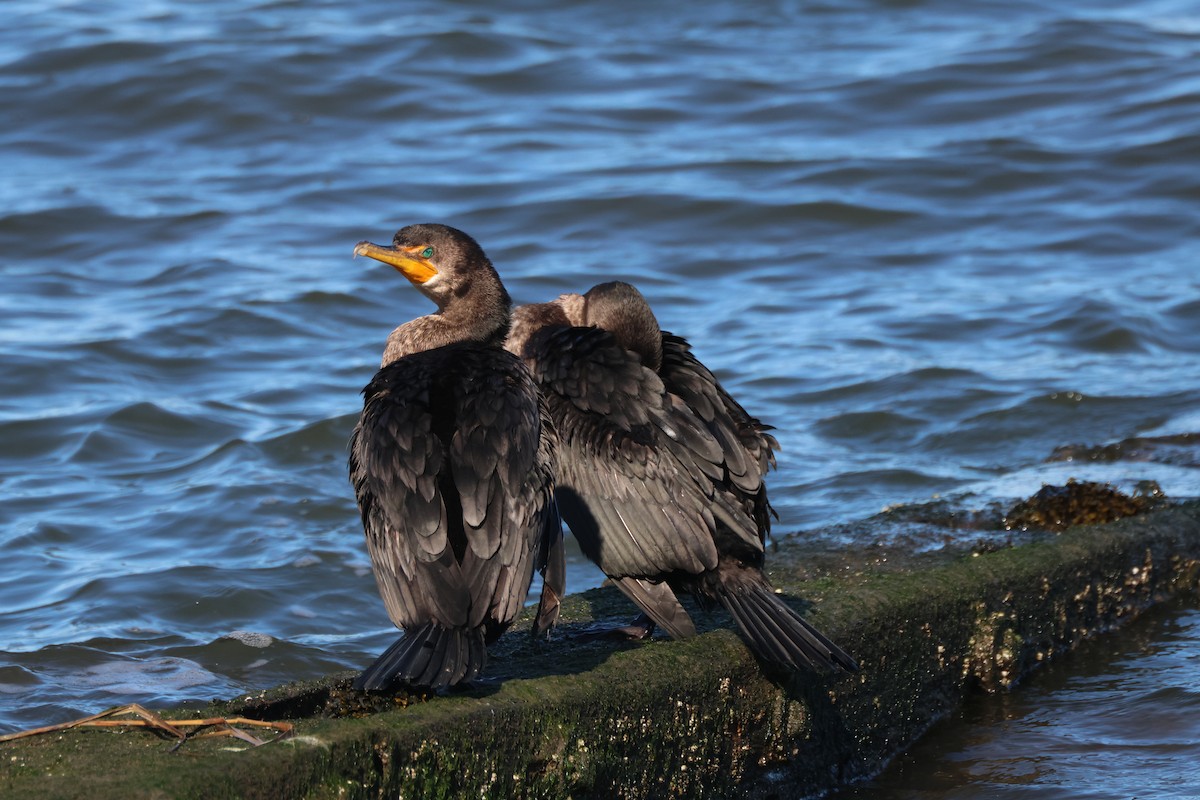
1116,721
929,242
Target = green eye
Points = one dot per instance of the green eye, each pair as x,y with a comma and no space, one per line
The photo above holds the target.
427,252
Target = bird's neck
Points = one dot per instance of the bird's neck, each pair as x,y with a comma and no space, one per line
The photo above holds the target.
528,320
446,327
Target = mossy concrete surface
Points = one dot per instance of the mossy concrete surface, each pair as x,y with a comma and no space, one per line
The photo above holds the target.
579,718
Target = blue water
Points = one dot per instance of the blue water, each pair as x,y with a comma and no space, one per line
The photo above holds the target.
930,242
1115,721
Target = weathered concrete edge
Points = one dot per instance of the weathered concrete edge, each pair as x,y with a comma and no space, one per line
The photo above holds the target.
687,719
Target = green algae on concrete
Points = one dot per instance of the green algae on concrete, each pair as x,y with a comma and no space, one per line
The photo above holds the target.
699,718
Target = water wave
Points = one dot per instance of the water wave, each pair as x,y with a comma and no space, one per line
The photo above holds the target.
930,244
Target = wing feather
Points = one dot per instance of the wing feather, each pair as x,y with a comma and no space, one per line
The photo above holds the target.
747,449
625,456
452,466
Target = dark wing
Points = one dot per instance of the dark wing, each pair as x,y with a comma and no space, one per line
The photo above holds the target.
395,463
746,446
502,460
633,460
454,479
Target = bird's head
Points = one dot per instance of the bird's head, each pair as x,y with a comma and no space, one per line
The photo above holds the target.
443,262
621,309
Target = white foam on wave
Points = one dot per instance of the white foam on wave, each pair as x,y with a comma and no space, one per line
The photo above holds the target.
251,639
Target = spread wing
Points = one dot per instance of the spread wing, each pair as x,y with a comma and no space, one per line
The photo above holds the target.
452,467
636,465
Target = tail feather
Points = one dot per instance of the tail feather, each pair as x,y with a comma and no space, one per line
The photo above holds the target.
443,659
660,604
429,655
777,633
760,628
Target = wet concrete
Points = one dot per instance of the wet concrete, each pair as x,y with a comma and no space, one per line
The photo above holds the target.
700,718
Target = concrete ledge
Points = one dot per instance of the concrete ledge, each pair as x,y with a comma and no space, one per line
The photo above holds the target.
671,719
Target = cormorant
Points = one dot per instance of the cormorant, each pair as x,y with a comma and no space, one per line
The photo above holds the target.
452,463
660,470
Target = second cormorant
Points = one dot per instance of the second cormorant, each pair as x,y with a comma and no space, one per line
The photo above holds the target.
660,470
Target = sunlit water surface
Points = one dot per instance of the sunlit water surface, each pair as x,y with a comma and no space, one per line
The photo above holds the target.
929,242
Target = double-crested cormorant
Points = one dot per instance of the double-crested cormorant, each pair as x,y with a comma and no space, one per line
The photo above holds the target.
452,463
660,470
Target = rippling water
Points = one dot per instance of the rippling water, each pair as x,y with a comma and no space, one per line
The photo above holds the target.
930,243
1114,721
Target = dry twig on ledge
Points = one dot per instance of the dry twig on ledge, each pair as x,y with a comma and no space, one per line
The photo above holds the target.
179,729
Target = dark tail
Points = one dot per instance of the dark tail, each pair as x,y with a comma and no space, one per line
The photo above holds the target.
778,634
428,655
660,604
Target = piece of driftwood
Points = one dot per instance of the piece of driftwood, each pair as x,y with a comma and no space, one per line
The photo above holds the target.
179,729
